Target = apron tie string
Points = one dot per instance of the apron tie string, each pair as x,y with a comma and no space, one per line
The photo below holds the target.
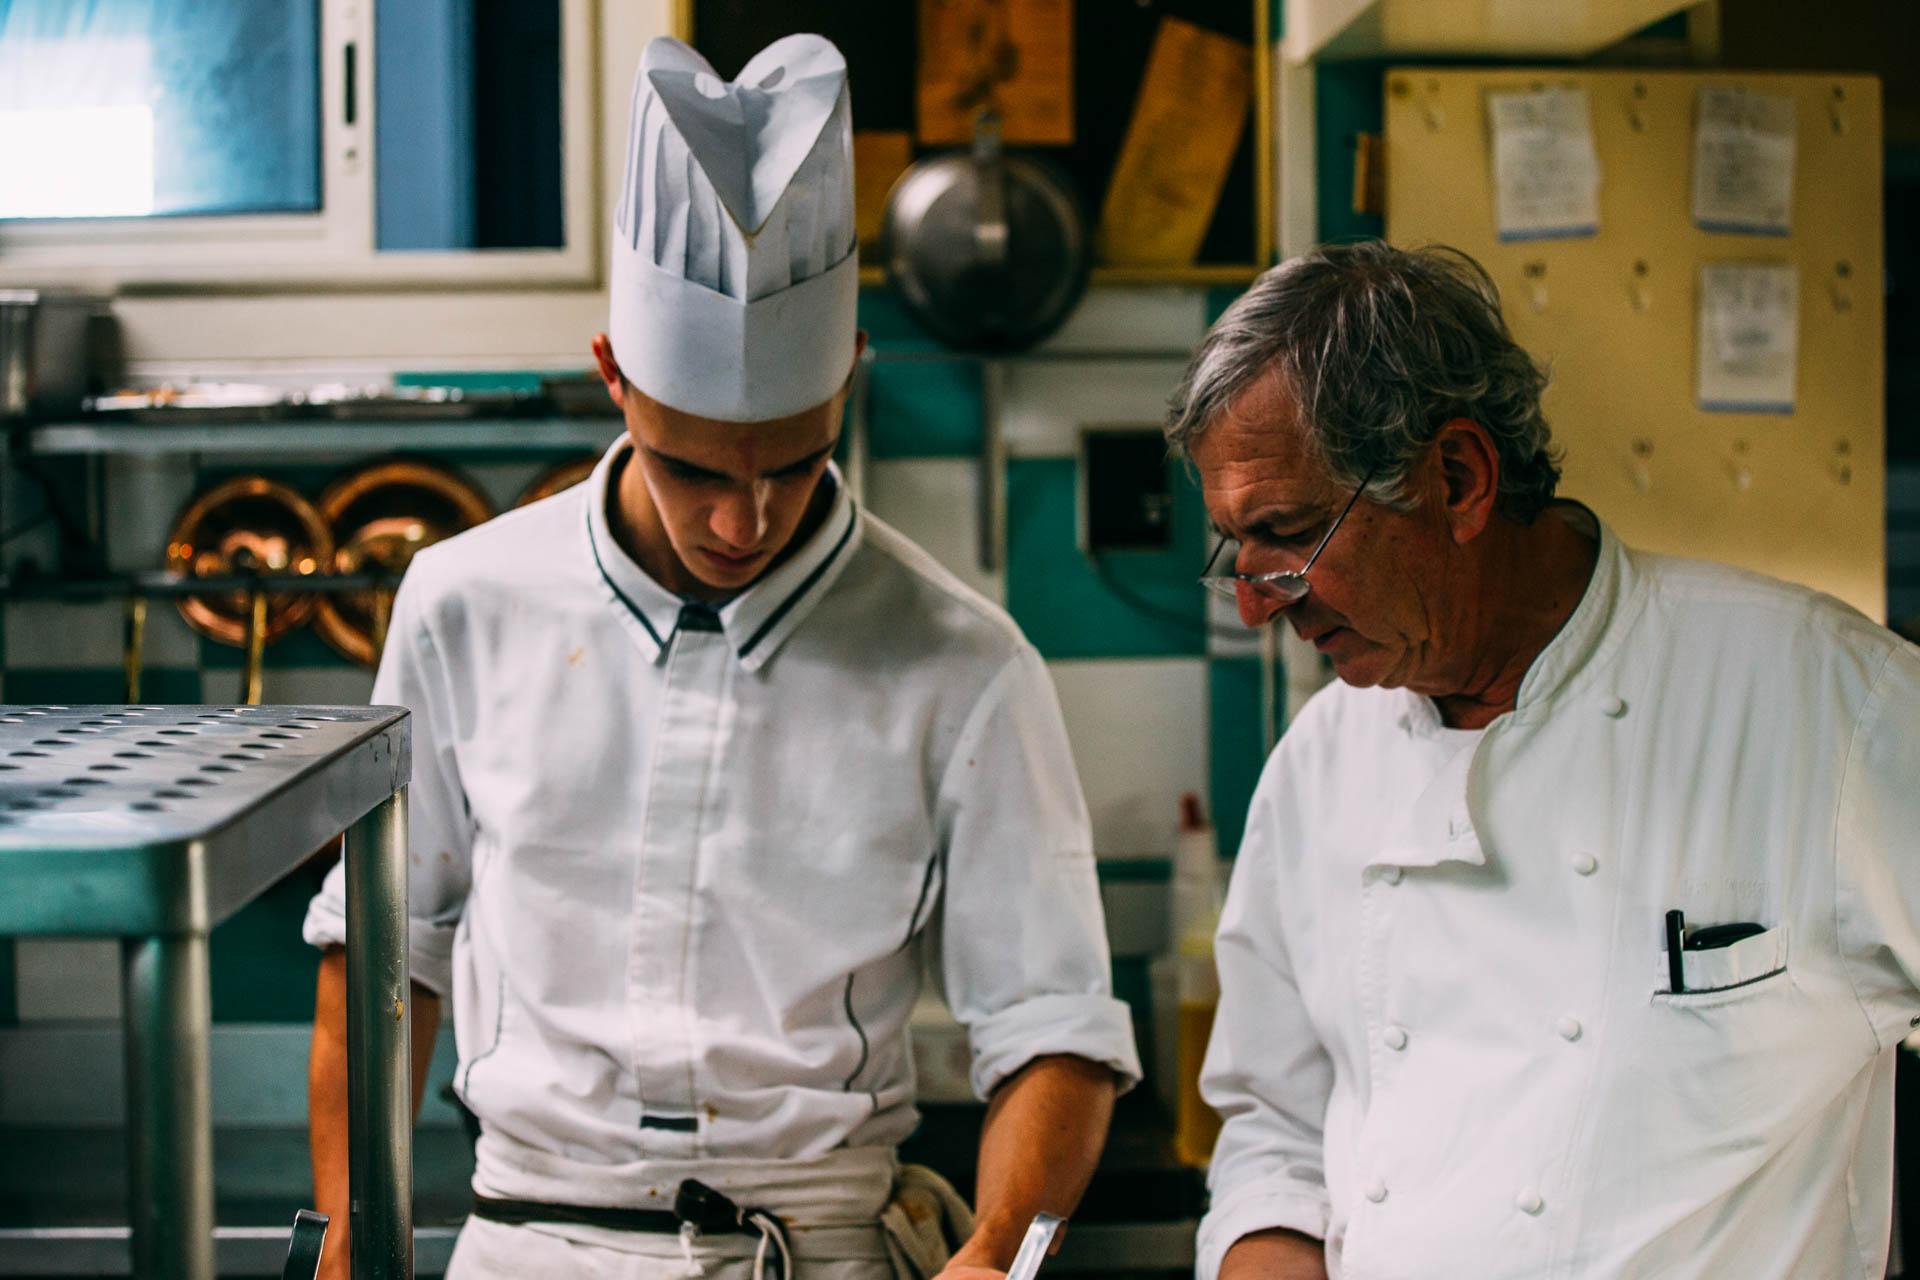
693,1269
701,1208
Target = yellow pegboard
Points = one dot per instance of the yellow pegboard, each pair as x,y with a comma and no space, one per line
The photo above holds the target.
1798,496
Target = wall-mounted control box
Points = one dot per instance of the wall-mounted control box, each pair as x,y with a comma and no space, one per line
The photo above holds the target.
1126,489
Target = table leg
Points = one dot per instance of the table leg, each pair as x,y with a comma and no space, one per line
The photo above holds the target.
379,1053
169,1106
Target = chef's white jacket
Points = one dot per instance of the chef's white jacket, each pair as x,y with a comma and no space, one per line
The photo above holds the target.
681,881
1446,1042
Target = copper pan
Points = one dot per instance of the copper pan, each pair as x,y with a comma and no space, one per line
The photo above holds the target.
561,475
381,516
248,524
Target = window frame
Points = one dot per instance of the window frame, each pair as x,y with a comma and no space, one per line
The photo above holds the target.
334,247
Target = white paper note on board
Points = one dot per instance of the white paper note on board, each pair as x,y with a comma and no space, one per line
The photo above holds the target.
1546,173
1749,346
1743,154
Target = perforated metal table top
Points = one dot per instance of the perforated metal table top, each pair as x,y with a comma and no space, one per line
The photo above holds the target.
162,819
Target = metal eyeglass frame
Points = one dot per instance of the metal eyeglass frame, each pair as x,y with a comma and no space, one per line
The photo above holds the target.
1287,587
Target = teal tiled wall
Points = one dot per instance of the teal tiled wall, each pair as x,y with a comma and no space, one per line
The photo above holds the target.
917,409
1347,101
1236,747
1219,298
924,410
888,325
1133,604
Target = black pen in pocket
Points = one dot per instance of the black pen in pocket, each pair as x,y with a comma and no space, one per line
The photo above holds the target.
1676,971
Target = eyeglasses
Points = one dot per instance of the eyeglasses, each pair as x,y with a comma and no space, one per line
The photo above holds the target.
1283,588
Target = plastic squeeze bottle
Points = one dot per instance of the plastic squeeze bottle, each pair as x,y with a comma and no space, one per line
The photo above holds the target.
1196,915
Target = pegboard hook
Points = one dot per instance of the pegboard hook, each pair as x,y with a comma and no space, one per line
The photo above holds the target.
1535,273
1640,465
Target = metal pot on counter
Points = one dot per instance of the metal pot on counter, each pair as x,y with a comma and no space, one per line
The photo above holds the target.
54,348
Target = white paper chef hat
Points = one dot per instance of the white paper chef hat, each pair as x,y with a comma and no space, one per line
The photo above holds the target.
735,279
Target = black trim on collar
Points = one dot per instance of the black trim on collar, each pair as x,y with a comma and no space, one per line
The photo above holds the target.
697,617
593,545
773,619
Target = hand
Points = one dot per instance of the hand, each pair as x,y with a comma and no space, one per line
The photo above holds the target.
971,1262
1275,1254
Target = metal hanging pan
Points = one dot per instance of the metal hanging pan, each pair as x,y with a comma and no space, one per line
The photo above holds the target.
559,476
381,516
988,250
248,524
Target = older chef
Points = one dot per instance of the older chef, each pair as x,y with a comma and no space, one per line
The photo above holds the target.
708,762
1456,1035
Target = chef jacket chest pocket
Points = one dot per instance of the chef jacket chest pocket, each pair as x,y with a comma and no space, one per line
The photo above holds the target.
1719,976
1718,1059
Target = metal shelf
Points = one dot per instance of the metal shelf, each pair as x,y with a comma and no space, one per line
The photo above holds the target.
300,437
288,438
166,584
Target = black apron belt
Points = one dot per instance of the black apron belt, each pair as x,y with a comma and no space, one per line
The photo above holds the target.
697,1210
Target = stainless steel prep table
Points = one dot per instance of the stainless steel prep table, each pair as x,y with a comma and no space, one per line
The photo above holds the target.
155,823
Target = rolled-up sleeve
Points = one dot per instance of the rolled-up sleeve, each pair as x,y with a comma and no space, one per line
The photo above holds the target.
1877,850
1023,943
1266,1072
439,832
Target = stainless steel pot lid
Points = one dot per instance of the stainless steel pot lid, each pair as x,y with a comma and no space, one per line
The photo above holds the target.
989,251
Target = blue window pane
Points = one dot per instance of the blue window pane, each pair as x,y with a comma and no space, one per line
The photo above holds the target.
119,108
467,125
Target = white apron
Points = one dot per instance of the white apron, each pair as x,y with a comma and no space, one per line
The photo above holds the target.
835,1209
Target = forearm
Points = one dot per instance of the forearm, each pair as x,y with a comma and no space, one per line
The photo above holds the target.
1277,1254
1045,1128
327,1093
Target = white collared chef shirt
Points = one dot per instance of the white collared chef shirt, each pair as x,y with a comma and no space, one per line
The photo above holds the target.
1446,1043
681,876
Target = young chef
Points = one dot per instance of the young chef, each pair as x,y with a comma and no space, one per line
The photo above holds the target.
708,761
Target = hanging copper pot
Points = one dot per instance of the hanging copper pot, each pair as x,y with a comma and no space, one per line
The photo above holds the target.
561,475
381,517
248,524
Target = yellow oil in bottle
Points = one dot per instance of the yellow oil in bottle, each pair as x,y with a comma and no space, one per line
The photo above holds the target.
1196,1125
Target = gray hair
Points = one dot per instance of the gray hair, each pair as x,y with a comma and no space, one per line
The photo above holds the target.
1380,346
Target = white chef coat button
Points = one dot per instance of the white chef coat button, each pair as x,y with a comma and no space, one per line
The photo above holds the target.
1377,1192
1613,706
1529,1202
1390,874
1585,863
1569,1028
1396,1037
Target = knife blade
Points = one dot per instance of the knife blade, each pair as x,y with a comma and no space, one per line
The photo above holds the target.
1033,1249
